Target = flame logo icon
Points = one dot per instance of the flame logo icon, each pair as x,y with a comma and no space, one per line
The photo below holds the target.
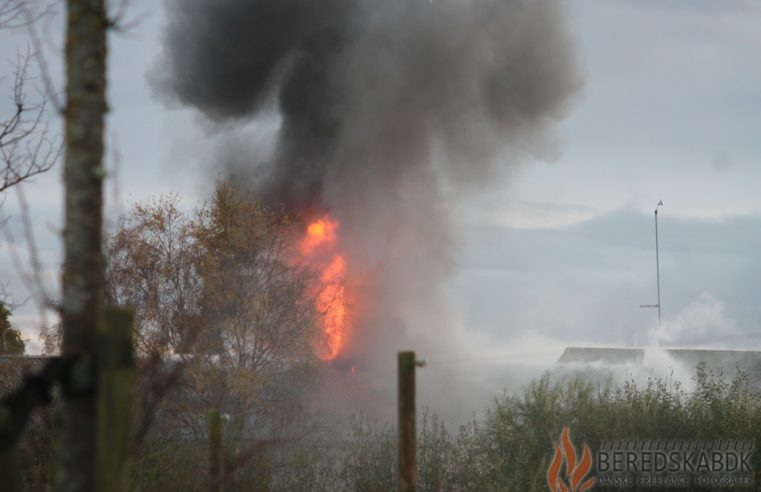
575,470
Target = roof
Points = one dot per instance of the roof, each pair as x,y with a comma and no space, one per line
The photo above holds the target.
727,361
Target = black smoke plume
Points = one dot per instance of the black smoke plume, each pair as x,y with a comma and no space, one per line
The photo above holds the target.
388,110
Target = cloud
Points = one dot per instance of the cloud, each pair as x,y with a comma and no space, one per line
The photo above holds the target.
722,161
586,281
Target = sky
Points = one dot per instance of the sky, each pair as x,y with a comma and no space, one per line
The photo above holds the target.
554,253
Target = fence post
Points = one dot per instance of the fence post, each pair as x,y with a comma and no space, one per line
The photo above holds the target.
214,422
9,469
116,377
407,442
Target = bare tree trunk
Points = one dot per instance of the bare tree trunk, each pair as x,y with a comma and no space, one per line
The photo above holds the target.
83,262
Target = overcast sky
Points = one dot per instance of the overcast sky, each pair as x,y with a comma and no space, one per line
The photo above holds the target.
557,252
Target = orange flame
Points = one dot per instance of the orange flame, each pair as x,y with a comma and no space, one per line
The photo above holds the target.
318,249
320,232
574,472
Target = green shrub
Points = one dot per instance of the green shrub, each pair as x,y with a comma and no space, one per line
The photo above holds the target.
508,449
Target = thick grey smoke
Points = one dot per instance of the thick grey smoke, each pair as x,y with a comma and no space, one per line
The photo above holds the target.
388,109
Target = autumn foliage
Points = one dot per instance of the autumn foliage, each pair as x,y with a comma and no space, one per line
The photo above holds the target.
217,281
224,317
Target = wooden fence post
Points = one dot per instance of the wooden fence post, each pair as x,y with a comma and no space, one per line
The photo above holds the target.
10,479
116,377
214,422
407,438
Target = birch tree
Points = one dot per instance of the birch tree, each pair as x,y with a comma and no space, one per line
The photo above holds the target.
84,114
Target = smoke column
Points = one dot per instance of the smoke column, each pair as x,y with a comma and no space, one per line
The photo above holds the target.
388,110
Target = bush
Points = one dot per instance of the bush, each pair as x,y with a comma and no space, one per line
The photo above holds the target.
511,447
508,449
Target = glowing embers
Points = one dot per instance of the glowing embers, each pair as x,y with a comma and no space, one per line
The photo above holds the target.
319,251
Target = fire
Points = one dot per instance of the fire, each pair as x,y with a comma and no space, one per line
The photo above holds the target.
319,250
320,232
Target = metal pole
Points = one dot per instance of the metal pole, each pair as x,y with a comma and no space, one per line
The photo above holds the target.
657,270
657,265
